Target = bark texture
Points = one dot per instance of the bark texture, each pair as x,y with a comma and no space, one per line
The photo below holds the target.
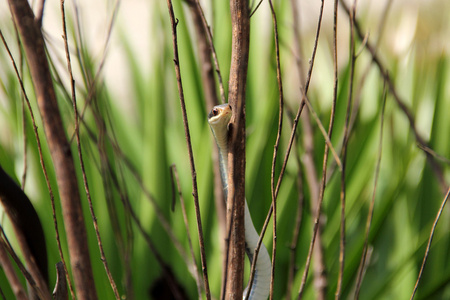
240,22
61,154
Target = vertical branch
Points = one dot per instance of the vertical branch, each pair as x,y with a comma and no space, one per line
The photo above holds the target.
174,23
28,230
240,43
430,239
206,51
400,101
175,179
59,148
44,168
344,143
364,255
10,273
322,190
80,155
277,142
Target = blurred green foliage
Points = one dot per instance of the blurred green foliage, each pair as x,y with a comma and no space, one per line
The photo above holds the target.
133,140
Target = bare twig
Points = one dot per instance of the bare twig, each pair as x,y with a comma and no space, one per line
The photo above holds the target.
400,102
427,251
80,156
174,23
174,172
322,188
240,42
277,143
343,194
364,255
206,52
39,291
256,8
41,160
10,273
433,153
207,32
294,128
296,232
59,148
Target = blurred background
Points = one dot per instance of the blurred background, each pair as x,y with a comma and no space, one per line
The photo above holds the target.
132,132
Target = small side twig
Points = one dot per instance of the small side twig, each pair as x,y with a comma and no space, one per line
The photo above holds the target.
174,23
294,126
400,102
364,255
427,251
41,160
80,155
322,187
42,294
10,273
176,180
277,143
207,30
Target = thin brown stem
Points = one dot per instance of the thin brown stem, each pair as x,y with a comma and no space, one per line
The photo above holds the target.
344,144
206,53
10,273
175,178
277,143
207,31
59,148
430,239
294,127
174,23
296,231
322,189
80,155
400,102
39,291
365,253
41,160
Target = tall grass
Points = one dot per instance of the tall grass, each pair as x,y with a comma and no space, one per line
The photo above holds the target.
132,132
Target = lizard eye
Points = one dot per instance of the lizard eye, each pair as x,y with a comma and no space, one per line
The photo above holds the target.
215,112
229,106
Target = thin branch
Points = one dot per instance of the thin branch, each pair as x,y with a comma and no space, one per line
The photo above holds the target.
174,23
39,291
80,156
296,232
324,133
256,8
10,273
364,255
175,178
343,194
206,53
294,128
207,30
59,148
433,153
240,43
41,160
322,188
400,102
427,251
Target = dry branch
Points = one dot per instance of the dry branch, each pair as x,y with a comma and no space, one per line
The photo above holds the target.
176,60
240,23
59,148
